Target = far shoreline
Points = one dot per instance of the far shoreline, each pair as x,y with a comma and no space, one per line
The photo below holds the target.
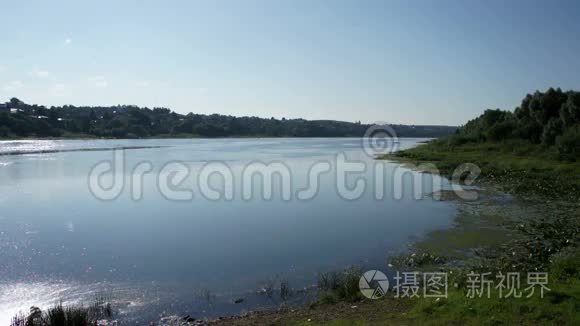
197,137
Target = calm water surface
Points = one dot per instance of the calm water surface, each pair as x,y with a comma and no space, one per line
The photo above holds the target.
157,256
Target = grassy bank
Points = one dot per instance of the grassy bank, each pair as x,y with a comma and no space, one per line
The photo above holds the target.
558,307
515,166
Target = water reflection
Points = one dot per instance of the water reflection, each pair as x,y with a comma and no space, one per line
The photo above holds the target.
59,242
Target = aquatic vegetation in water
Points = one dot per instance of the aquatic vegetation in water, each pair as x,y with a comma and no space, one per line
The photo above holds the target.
96,314
334,286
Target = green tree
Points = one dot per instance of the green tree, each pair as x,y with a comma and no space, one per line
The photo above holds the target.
15,103
568,144
570,110
552,130
501,130
5,131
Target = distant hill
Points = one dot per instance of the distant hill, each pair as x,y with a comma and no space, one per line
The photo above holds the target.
18,119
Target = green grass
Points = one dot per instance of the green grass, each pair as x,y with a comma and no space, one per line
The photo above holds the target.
559,306
517,166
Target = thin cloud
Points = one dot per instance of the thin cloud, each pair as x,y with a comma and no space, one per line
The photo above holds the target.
67,41
13,86
98,81
2,68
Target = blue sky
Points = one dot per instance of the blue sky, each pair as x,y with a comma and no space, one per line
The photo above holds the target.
421,62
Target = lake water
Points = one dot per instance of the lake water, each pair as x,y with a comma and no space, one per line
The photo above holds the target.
167,255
